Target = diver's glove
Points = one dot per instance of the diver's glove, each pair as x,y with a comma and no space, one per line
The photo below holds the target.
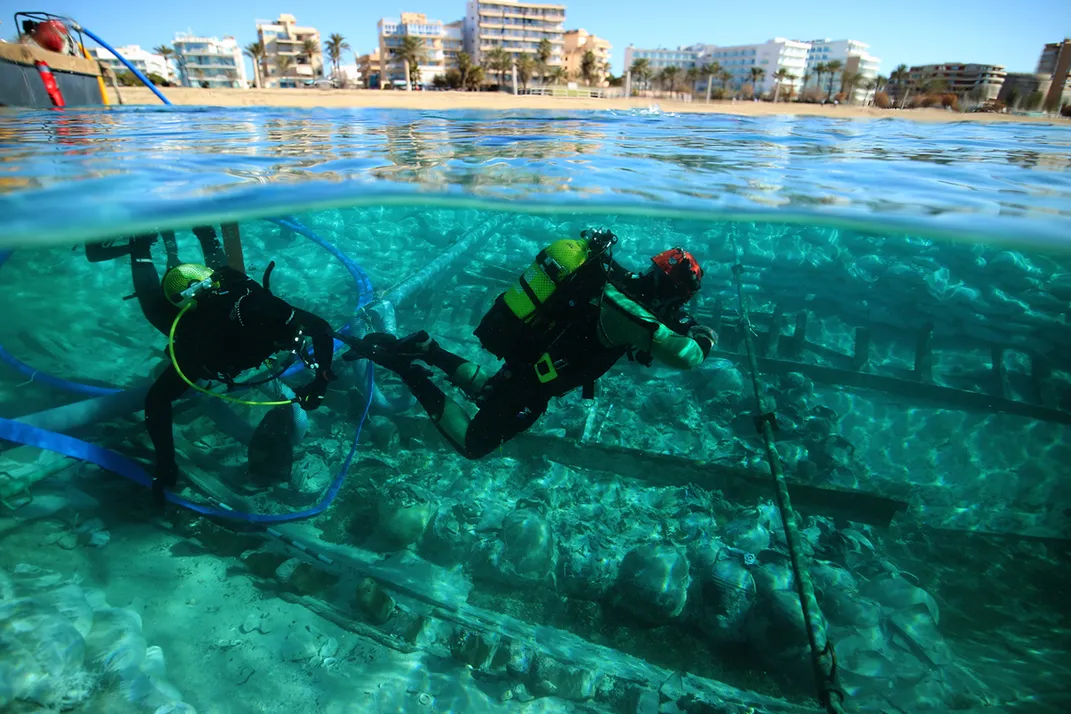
312,394
705,337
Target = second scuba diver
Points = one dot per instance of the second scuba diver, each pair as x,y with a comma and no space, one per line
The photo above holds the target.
220,322
569,318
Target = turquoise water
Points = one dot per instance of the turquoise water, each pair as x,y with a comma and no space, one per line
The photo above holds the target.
909,289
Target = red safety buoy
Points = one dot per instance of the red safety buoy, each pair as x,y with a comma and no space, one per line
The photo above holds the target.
51,35
51,87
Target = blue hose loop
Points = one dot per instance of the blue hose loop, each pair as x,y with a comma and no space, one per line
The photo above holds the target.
28,435
134,70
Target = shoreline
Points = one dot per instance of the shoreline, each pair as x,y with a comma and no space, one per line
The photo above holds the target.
440,101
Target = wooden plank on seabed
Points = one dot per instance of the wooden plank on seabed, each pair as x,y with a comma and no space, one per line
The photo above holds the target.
736,483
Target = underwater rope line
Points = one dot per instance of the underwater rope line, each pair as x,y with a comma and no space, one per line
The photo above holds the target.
823,657
28,435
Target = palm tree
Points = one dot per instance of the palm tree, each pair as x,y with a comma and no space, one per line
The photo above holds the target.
781,74
757,75
311,48
589,67
410,53
526,67
284,63
832,67
641,69
336,45
464,67
668,77
712,70
692,75
499,61
880,82
848,80
255,52
725,76
558,75
474,78
543,53
166,52
900,77
819,70
791,84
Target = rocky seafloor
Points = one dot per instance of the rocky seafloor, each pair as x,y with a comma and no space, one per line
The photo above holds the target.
677,575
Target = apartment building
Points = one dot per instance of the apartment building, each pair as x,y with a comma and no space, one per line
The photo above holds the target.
1055,65
292,54
854,59
770,56
146,62
660,58
580,42
981,82
371,69
431,35
209,62
517,27
453,43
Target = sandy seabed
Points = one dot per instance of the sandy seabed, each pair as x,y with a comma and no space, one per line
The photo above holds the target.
501,101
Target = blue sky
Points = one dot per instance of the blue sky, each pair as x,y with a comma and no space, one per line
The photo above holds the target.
908,31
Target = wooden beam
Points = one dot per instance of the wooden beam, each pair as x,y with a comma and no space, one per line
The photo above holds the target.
736,483
773,335
799,336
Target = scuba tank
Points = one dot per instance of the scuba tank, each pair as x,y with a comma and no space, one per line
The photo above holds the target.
563,279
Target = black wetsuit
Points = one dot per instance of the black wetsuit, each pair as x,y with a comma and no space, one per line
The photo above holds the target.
235,328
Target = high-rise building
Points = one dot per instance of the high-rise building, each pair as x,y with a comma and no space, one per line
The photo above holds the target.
980,82
429,33
146,62
209,62
854,60
517,27
1055,64
453,42
770,56
292,54
577,44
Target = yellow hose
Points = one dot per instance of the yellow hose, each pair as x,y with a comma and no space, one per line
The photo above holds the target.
100,78
224,397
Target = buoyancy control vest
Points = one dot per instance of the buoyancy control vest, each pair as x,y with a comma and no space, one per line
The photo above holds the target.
548,320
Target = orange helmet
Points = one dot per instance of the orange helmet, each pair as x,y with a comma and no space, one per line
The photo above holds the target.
683,270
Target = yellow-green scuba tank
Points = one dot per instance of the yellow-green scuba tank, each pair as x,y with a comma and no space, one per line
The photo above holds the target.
557,289
553,266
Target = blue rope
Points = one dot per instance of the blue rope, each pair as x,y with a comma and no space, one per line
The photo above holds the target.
28,435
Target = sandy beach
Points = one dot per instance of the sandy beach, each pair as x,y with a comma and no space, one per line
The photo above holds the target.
373,98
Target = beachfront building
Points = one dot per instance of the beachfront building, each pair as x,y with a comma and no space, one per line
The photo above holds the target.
146,62
980,82
209,62
856,63
660,58
453,43
1055,65
577,44
517,27
371,69
770,56
292,54
430,34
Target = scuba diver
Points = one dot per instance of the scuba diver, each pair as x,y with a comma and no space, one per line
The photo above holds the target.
568,319
219,323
